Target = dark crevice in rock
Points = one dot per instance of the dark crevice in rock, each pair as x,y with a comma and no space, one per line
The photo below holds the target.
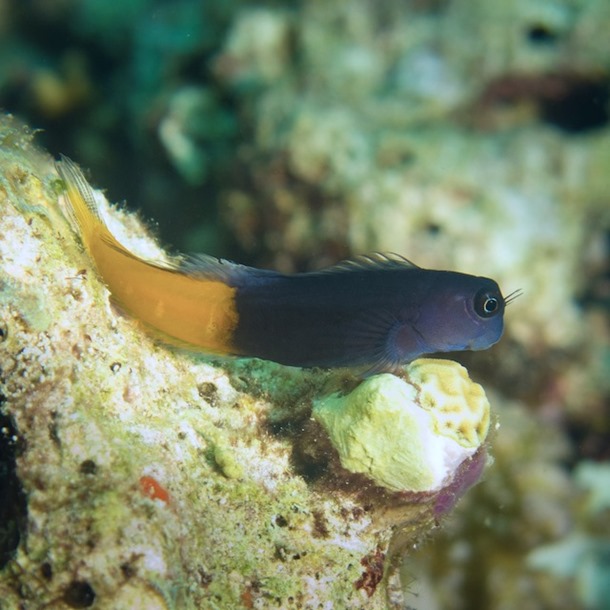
13,503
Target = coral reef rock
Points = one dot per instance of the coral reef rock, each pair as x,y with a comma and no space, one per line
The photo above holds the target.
139,476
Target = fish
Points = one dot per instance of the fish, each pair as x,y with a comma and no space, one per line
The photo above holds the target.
374,313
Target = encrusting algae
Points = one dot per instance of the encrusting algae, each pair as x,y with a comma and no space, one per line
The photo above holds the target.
154,478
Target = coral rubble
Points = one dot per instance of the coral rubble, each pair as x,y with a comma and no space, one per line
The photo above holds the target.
408,435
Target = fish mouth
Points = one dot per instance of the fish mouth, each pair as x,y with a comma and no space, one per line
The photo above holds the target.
481,343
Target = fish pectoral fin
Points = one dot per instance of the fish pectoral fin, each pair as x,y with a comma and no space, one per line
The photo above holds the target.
369,341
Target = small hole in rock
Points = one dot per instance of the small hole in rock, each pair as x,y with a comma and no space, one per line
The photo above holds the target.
88,467
79,594
541,34
46,570
582,106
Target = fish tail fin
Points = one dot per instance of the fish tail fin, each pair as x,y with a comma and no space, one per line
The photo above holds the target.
83,210
192,305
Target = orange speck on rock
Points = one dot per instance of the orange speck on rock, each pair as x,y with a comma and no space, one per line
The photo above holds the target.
247,598
152,489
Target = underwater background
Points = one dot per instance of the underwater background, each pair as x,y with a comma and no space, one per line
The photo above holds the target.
470,135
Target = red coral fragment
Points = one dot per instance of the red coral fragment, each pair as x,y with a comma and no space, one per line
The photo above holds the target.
152,489
373,572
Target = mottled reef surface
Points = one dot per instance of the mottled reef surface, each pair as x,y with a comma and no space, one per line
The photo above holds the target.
139,476
467,135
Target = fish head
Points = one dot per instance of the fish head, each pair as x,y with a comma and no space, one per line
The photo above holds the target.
461,312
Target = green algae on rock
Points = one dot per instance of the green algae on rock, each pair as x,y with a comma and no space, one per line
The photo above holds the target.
155,475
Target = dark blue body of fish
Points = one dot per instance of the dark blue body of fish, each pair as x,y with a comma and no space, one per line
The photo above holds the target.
375,312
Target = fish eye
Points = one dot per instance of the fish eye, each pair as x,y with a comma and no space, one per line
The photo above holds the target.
486,304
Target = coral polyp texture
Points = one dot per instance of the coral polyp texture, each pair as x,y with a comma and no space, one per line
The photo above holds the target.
145,477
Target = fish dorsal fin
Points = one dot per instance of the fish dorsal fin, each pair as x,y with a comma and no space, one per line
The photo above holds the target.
204,265
207,266
375,260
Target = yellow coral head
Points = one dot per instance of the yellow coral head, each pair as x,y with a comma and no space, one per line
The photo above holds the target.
408,435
